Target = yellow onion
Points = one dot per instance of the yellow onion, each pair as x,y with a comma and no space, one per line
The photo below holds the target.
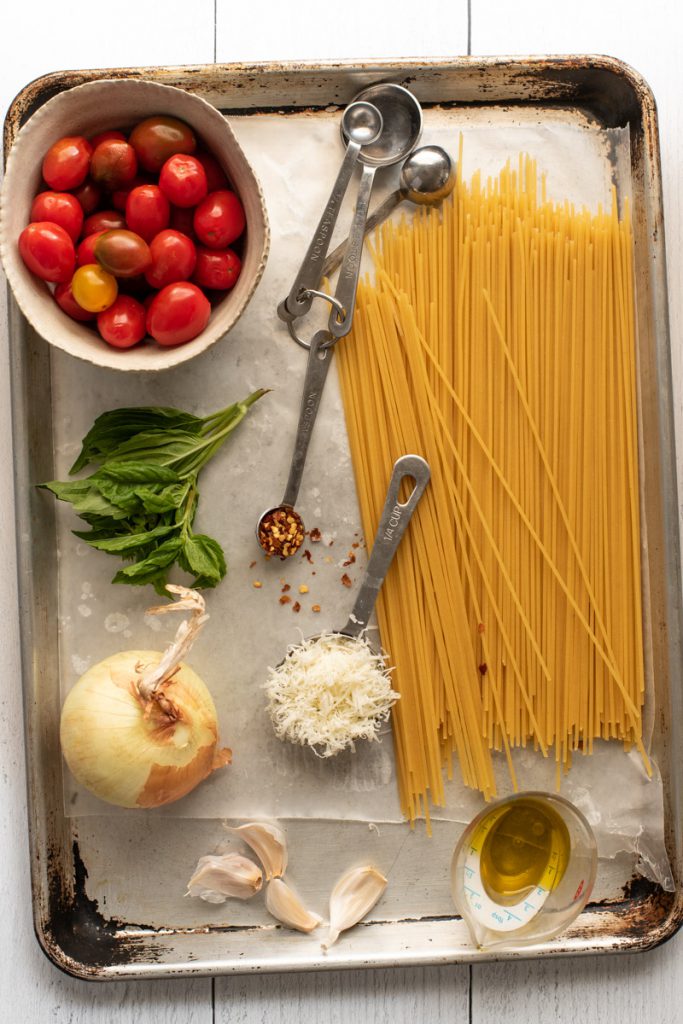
139,729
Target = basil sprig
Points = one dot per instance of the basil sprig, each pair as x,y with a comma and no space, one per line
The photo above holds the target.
141,501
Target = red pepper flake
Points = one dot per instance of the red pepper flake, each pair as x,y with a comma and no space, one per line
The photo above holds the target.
350,560
313,573
355,543
285,588
480,627
252,564
483,668
296,607
285,599
307,555
315,535
346,580
315,608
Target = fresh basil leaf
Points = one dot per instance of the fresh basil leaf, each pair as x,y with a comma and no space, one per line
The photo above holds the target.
162,499
68,490
130,541
113,428
157,447
203,556
136,472
150,567
94,503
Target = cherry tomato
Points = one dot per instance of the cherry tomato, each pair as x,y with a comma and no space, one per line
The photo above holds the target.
178,313
103,220
122,253
217,268
105,137
93,288
47,250
123,324
183,221
59,208
183,180
147,211
219,219
65,300
173,258
157,138
113,164
89,195
85,253
216,178
66,163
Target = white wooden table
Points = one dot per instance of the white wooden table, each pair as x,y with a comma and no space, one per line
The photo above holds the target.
37,37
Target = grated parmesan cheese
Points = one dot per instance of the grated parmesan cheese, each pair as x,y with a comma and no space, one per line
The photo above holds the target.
329,692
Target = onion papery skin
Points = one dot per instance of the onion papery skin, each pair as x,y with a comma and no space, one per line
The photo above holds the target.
137,753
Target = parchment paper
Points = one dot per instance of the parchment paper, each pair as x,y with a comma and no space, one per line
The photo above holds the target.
296,159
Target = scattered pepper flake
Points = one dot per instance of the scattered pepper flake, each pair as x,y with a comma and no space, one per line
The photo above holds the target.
303,589
296,607
285,599
355,543
307,555
329,559
252,564
315,607
346,580
285,588
351,558
483,668
257,584
315,535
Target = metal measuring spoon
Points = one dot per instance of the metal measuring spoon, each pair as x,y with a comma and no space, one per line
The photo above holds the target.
361,125
427,177
280,530
402,116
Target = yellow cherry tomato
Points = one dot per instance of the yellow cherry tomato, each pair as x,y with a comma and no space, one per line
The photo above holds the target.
93,288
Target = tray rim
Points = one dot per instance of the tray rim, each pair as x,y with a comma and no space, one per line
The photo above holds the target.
37,92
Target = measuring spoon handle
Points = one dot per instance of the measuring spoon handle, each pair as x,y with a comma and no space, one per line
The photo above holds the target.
392,526
378,217
350,268
311,271
317,367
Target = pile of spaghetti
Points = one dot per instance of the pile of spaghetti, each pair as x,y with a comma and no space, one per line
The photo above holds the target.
497,339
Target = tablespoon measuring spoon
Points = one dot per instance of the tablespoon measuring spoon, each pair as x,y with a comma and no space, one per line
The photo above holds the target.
427,177
280,529
402,117
361,125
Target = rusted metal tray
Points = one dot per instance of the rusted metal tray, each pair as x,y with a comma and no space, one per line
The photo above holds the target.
101,886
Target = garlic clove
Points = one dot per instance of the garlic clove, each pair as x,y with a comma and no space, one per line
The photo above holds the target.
286,906
268,843
354,896
218,877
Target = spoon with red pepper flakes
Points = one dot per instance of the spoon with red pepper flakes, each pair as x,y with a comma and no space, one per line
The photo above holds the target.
280,529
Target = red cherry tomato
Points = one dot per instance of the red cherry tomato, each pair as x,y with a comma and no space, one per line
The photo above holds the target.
113,164
173,258
123,324
122,253
66,163
216,178
89,195
59,208
183,180
219,219
85,253
157,138
217,268
183,221
147,211
103,220
93,288
65,300
105,137
47,250
178,313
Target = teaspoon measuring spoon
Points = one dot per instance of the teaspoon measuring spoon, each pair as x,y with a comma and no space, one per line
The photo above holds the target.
361,125
427,177
402,116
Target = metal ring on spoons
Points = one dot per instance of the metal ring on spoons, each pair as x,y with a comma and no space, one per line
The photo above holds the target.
402,116
427,178
280,530
362,124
